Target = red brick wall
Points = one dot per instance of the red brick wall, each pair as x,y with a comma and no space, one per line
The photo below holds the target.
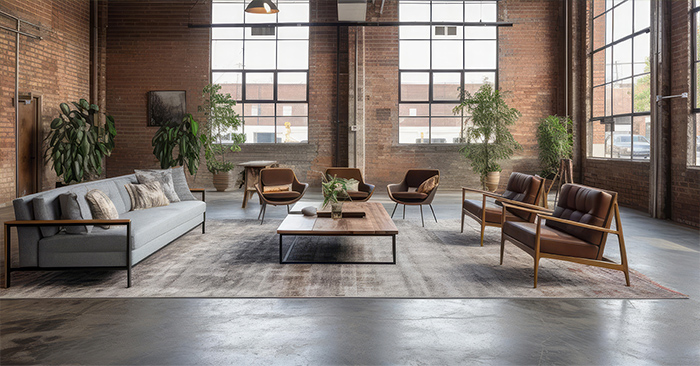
56,68
685,180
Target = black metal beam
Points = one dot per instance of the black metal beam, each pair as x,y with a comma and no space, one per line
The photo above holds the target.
351,24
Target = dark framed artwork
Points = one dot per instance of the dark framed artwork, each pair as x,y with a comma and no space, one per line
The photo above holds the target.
165,106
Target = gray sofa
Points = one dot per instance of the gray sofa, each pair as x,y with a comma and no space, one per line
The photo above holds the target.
149,230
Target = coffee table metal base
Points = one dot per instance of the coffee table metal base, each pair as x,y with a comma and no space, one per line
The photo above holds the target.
284,256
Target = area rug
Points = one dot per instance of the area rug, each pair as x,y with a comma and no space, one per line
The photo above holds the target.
240,258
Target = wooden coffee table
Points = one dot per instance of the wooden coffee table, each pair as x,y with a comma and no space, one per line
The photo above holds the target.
376,222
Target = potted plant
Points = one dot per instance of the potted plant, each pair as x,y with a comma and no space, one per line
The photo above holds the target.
185,137
77,142
555,142
221,123
487,138
334,192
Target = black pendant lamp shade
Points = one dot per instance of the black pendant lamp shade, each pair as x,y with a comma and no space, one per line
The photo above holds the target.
262,7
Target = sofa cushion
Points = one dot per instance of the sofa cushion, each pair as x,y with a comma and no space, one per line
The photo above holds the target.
163,176
493,212
149,224
71,210
42,211
182,189
523,188
551,241
146,195
358,195
101,207
282,196
409,196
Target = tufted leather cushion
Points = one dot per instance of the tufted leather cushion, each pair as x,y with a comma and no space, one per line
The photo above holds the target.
358,195
522,188
585,205
282,196
276,177
493,212
415,177
409,196
551,241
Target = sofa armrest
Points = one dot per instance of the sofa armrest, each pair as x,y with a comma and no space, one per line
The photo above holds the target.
200,190
25,223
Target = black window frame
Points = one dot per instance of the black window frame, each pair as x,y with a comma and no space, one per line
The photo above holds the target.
431,71
694,11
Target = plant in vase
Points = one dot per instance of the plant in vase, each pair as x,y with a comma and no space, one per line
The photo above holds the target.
184,136
334,191
219,137
77,142
488,139
555,142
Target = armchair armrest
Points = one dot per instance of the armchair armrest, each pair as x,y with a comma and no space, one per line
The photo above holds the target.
474,190
525,206
200,190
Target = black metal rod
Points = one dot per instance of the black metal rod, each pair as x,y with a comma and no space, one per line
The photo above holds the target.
8,256
337,97
283,258
128,255
350,24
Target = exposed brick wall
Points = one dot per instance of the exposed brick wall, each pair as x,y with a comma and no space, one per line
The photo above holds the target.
685,181
56,68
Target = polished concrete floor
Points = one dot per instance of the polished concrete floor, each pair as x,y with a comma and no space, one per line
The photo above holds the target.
375,331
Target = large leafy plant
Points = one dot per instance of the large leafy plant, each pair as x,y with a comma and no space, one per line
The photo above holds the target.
186,137
221,122
555,142
488,139
78,142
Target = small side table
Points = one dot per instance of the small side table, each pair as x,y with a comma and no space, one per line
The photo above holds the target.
252,176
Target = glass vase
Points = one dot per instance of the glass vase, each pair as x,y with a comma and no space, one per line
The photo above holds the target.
337,210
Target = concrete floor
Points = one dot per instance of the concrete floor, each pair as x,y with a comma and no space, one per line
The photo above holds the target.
375,331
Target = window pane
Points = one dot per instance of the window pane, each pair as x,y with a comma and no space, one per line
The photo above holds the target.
480,11
480,54
480,32
291,12
622,60
226,33
413,130
642,14
622,96
259,110
641,54
223,13
260,33
253,18
414,86
446,86
414,32
601,69
697,139
293,55
641,137
622,16
445,130
414,11
697,85
609,27
443,110
231,82
226,55
291,86
474,80
447,55
608,99
260,130
414,55
414,110
293,33
598,136
259,86
259,55
621,146
447,11
292,109
292,129
697,35
642,93
599,32
598,101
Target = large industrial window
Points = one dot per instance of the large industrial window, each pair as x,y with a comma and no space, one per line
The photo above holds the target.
435,60
695,144
620,121
266,69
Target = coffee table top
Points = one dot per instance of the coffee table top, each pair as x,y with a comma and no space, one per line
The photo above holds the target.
376,222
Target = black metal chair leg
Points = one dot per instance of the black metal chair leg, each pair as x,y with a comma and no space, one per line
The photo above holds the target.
392,212
421,215
261,210
404,211
263,214
431,209
287,208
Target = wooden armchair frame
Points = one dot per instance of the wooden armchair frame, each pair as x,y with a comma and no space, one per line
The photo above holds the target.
601,261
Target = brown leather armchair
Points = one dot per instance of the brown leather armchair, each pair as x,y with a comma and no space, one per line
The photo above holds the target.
405,192
279,177
521,187
365,189
576,231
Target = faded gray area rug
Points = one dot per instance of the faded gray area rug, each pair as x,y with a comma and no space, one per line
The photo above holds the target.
240,258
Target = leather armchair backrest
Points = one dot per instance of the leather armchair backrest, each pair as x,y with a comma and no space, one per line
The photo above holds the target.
276,176
523,188
585,205
415,177
345,173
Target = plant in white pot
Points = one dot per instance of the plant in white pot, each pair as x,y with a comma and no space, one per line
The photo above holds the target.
220,137
487,137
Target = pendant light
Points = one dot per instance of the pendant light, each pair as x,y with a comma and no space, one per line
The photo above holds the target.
262,7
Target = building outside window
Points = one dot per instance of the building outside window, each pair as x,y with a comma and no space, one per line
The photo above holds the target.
435,60
620,123
694,156
264,68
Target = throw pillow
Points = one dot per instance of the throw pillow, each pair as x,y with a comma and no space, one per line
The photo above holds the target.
429,184
163,176
146,195
352,185
280,188
181,187
70,210
101,207
42,211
